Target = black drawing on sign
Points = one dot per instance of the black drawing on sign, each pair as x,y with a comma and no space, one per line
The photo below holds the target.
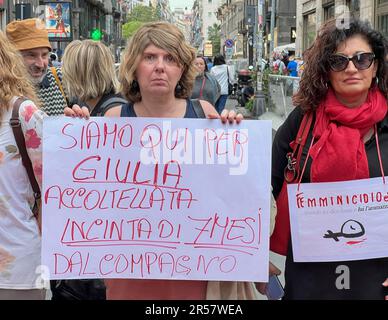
350,229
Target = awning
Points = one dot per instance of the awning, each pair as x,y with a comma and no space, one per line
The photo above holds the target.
288,47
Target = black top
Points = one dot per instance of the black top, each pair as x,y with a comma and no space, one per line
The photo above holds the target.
127,110
115,98
317,280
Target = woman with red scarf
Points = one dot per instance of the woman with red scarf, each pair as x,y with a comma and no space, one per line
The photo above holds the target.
344,87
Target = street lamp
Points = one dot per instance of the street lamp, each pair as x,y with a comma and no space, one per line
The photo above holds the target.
259,48
116,20
259,103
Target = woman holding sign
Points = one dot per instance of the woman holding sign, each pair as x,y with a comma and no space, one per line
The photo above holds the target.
344,91
157,76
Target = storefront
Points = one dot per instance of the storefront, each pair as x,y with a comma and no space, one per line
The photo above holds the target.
382,16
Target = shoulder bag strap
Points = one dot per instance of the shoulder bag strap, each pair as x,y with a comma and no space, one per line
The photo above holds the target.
203,85
291,172
21,143
55,74
198,108
303,133
100,109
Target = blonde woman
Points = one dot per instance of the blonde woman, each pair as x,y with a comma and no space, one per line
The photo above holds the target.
20,241
89,76
90,80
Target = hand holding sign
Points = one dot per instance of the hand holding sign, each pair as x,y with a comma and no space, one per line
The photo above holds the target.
385,284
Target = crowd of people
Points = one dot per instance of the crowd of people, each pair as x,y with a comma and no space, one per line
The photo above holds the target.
344,86
286,65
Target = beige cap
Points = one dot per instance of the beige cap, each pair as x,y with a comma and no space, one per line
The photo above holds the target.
28,34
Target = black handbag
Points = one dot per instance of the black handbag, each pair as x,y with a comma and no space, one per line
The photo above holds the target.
80,289
230,86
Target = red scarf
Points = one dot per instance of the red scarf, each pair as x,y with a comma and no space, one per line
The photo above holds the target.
339,153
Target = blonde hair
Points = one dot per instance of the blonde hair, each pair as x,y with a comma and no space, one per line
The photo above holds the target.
165,36
88,70
14,78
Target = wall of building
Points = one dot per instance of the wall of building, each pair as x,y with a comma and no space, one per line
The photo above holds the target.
231,17
86,15
369,10
208,14
286,19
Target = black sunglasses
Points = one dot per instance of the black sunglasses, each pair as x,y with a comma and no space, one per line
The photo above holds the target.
361,61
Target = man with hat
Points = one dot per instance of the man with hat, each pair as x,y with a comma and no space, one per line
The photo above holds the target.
30,37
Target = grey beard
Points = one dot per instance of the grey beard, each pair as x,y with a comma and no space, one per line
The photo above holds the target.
37,81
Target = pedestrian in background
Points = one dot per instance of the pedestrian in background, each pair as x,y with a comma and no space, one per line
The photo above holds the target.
206,87
221,72
292,67
285,57
300,68
54,61
209,63
278,66
344,85
20,241
30,37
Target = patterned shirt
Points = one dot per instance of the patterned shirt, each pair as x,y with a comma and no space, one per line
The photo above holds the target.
51,97
20,242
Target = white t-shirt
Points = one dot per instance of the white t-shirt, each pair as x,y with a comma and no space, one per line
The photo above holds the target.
20,242
220,72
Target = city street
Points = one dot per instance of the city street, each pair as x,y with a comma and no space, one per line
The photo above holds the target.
268,115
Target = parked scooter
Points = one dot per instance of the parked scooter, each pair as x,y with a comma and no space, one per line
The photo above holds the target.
245,90
233,95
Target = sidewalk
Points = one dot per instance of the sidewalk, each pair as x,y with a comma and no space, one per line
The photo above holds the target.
269,115
276,119
232,104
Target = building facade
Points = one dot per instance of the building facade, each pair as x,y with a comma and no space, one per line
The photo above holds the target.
183,20
86,15
231,16
311,14
239,23
204,16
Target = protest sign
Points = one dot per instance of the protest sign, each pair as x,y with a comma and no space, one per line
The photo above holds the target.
156,199
339,221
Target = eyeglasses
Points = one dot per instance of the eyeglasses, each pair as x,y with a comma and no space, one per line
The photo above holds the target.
361,61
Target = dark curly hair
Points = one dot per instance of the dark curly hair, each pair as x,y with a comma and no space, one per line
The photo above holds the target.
314,81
